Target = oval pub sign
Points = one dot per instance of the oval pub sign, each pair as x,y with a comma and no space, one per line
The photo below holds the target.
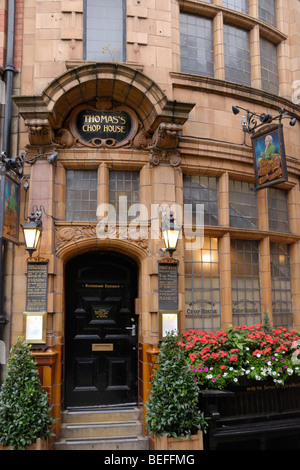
103,125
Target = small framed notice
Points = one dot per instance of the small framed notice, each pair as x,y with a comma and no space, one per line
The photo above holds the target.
34,326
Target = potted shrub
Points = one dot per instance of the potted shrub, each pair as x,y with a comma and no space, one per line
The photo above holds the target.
172,414
25,418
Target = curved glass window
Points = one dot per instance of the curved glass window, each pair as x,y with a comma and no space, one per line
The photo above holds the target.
237,5
269,66
267,11
196,44
237,55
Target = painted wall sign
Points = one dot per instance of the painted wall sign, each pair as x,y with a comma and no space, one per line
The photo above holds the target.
103,125
100,123
269,156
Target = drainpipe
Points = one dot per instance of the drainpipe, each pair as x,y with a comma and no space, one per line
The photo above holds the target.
9,72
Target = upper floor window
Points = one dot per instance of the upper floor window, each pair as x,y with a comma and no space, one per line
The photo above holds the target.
196,44
81,195
269,66
237,55
267,11
242,205
104,30
238,5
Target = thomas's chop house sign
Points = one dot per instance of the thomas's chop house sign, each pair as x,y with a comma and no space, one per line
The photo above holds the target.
103,125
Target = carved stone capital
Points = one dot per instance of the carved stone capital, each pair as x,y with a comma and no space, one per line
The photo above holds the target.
39,132
166,135
164,145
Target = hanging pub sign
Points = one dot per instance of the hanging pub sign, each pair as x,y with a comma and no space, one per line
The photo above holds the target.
269,156
11,209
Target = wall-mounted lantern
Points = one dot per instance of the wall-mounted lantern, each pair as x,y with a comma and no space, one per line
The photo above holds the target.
32,232
170,233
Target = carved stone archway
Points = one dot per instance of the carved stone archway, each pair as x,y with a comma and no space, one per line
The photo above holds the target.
160,120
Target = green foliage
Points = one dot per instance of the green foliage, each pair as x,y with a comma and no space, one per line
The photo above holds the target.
24,410
172,407
266,321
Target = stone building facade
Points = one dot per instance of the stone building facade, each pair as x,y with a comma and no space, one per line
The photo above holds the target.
136,98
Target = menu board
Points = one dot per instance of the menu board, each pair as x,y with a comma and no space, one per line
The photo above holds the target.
167,286
37,282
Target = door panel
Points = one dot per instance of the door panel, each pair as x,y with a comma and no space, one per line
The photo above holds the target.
101,335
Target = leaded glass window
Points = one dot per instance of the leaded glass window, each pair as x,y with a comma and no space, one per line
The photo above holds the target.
238,5
196,45
81,195
278,210
245,282
282,304
269,66
198,189
202,286
237,55
124,192
242,205
105,30
267,11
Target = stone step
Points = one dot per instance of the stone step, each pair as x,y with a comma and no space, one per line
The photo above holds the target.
129,443
101,415
102,429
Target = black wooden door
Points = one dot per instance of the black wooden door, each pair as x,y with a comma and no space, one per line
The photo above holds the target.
101,331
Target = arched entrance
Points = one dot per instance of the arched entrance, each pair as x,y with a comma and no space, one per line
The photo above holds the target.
101,330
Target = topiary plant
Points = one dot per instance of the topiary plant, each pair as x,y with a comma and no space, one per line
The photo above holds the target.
24,409
172,407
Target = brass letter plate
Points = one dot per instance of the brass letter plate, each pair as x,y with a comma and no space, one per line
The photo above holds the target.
102,347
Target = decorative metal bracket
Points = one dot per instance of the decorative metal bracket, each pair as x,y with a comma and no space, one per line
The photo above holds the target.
253,121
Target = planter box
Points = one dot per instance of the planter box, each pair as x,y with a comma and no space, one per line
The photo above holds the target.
40,444
194,442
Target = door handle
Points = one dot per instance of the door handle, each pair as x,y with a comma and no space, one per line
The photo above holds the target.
132,328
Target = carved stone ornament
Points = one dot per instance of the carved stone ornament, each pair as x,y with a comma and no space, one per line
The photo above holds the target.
101,123
70,234
164,145
39,132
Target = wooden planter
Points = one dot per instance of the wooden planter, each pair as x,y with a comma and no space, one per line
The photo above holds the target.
194,442
40,444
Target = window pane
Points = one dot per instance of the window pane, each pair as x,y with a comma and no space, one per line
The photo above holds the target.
124,188
201,190
282,305
81,195
202,286
196,44
242,204
245,288
269,67
267,11
237,55
105,30
278,210
238,5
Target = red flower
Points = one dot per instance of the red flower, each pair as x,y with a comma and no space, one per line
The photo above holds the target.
233,358
193,357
